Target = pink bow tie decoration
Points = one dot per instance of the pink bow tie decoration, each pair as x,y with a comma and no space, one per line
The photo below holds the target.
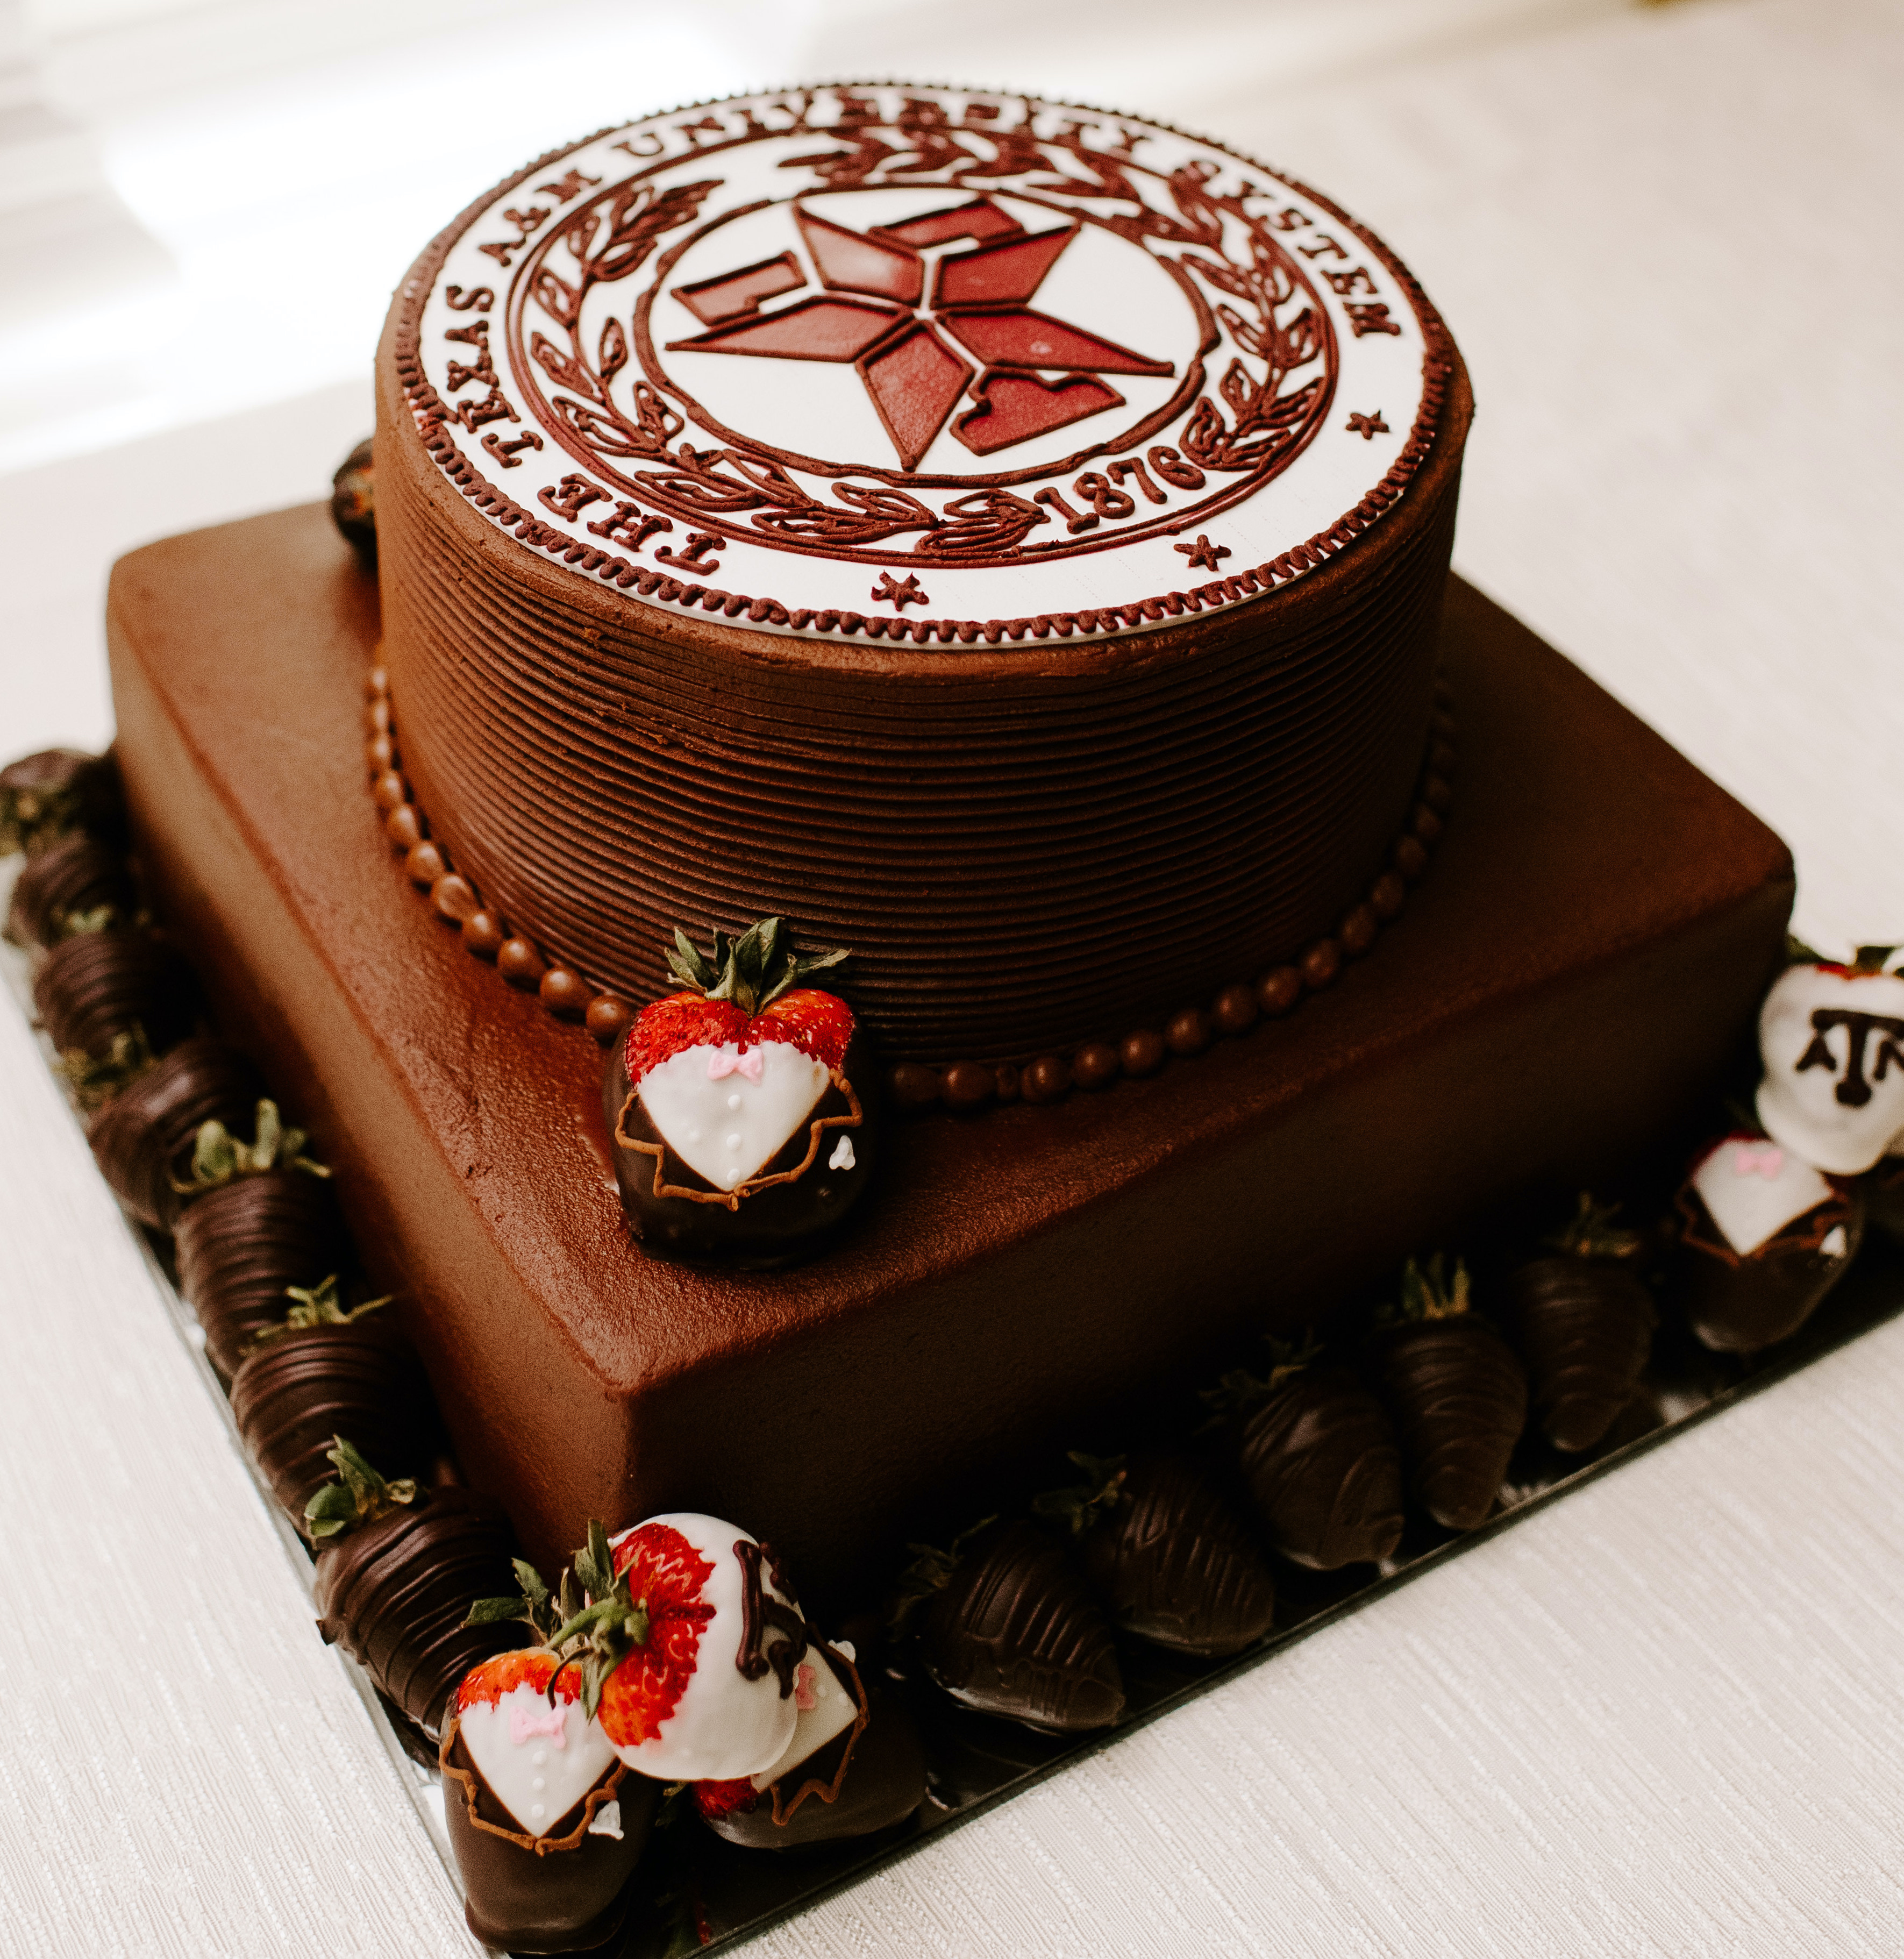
524,1726
1764,1160
806,1695
722,1062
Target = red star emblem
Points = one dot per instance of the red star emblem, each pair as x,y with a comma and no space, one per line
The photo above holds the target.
1367,426
912,350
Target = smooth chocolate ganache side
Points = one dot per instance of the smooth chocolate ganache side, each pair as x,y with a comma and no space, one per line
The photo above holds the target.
1089,666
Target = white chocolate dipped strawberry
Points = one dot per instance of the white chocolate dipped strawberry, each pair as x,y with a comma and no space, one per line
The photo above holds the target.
739,1107
1832,1039
536,1749
694,1642
546,1823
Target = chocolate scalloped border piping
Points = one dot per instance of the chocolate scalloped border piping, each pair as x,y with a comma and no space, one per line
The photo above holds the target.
960,1085
1438,366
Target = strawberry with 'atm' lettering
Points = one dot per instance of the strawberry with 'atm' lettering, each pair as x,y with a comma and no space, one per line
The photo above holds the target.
741,1108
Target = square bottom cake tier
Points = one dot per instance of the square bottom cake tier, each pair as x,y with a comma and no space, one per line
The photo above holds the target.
1568,984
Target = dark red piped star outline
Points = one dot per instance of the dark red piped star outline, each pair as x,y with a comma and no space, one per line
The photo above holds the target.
907,348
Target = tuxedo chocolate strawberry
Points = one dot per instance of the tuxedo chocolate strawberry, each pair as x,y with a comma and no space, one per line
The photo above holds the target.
546,1822
1458,1394
1317,1455
741,1108
1164,1550
1583,1323
1764,1236
855,1765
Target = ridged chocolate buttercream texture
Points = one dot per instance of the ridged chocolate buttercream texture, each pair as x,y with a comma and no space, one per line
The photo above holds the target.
1025,846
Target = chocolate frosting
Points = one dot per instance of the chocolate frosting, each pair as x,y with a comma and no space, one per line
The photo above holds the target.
1016,1631
1459,1399
143,1138
292,1398
1175,1565
240,1247
1026,845
99,984
1585,1328
884,1782
1739,1303
1323,1469
393,1594
78,874
562,1892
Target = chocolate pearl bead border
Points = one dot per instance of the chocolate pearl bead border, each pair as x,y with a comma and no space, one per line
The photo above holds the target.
965,1086
962,1086
455,900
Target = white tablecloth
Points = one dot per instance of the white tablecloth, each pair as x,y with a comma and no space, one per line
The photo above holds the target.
1663,1717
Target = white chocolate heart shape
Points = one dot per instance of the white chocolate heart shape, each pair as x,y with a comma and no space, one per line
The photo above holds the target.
724,1725
540,1761
1833,1043
726,1113
1752,1189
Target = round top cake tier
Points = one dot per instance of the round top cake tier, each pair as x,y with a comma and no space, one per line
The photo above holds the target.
1005,538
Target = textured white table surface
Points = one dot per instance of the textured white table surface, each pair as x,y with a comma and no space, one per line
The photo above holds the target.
1664,1716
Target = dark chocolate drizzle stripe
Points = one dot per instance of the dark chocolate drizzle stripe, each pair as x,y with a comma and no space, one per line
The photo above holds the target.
432,413
963,1085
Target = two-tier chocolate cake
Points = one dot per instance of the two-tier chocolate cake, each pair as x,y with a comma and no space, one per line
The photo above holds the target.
1009,541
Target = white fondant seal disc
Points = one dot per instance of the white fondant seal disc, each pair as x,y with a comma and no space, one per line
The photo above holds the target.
926,358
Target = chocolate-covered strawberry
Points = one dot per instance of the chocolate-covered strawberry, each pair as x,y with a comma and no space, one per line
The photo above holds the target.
1763,1236
1582,1321
77,884
93,987
1163,1548
1457,1393
855,1765
690,1644
1010,1627
261,1225
397,1568
1317,1455
741,1108
546,1822
1832,1040
46,796
353,500
1884,1196
143,1139
321,1372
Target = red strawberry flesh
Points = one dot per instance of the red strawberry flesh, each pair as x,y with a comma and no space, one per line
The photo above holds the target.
485,1685
819,1024
716,1800
665,1577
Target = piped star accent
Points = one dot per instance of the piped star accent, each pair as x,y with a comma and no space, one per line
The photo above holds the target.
910,347
1203,553
1367,427
910,593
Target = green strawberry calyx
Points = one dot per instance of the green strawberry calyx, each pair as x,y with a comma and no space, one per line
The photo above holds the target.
358,1495
751,970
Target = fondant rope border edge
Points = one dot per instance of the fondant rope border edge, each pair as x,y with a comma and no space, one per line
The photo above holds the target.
960,1085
